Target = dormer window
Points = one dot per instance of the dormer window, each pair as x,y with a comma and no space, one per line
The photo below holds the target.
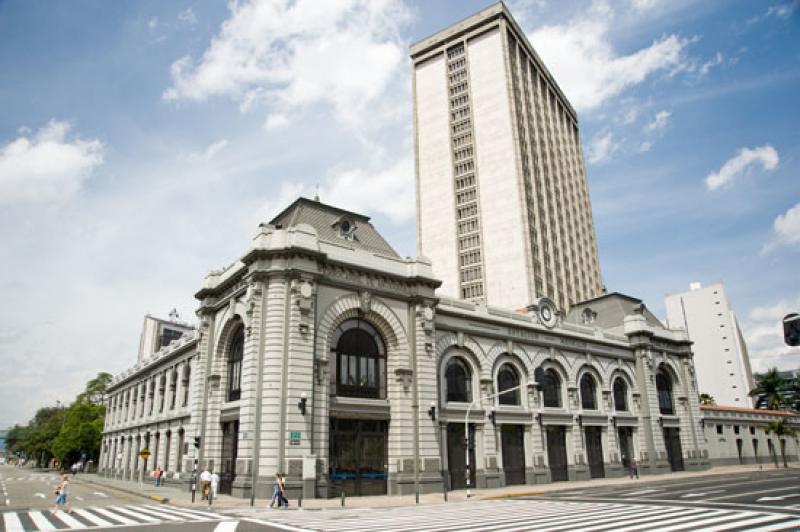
588,316
346,227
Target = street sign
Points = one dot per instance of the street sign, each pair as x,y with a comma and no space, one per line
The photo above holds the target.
144,454
294,437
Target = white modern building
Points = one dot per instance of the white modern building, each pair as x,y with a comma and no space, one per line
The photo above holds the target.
503,206
158,333
723,366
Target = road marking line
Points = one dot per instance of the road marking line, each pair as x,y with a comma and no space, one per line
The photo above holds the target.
227,526
276,525
747,494
100,494
121,518
702,494
185,511
779,497
682,517
778,526
89,516
640,492
39,494
12,522
746,522
41,521
143,517
154,513
69,520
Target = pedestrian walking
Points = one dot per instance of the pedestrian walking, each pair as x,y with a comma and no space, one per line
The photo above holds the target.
276,492
634,469
157,474
205,484
282,480
62,492
214,484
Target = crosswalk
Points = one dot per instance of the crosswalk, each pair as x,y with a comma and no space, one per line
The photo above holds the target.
105,517
531,515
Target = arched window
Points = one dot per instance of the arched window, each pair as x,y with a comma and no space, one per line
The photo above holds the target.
551,388
173,388
588,392
620,395
235,356
162,392
187,372
459,381
508,378
664,389
360,360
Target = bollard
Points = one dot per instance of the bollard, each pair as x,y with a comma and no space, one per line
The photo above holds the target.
342,497
300,501
416,494
444,487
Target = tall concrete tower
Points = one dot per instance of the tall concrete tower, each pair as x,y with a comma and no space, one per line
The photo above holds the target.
720,353
502,199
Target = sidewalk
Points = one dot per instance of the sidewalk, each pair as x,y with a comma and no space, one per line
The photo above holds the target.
171,494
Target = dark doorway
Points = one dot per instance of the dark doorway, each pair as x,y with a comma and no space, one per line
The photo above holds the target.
456,456
625,437
739,444
594,451
672,440
358,457
557,452
513,441
230,448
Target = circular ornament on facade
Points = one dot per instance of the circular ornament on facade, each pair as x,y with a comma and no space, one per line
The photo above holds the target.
548,312
305,290
427,313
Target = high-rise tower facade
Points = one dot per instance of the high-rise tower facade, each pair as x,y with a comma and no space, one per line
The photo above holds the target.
502,200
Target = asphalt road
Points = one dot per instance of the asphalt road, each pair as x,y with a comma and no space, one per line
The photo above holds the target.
773,490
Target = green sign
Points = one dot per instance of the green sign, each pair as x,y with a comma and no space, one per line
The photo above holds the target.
294,437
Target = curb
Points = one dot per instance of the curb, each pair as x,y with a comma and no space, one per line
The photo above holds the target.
512,495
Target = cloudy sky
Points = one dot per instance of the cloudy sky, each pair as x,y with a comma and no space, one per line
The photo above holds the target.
142,142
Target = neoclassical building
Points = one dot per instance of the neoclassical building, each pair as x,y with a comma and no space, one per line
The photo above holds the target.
324,354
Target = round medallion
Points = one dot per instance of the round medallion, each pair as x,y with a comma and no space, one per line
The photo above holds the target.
548,313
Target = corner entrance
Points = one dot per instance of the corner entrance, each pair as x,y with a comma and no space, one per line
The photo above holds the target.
557,452
672,440
513,453
357,457
456,456
594,451
625,439
230,448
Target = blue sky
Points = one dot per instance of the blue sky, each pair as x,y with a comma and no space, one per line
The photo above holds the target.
142,142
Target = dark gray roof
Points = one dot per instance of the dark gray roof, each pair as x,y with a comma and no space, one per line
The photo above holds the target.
325,219
611,310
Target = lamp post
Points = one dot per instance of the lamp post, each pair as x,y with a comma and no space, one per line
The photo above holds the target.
466,427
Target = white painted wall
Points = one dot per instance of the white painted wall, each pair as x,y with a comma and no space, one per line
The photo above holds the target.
501,209
723,370
436,218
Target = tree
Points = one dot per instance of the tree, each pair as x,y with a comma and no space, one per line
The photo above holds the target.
706,399
769,389
96,389
81,433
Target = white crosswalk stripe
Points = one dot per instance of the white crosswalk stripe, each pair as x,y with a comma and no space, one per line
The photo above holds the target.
529,516
105,517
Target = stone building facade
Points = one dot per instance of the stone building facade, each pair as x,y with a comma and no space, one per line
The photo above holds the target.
323,354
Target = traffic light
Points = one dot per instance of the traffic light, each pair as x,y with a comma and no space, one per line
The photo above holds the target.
791,329
197,442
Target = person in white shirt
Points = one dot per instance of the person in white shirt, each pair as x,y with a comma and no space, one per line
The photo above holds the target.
214,484
205,483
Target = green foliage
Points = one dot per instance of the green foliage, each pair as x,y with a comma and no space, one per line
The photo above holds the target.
64,433
706,399
771,386
780,429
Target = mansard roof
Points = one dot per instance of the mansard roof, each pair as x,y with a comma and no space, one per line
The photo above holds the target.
326,219
611,309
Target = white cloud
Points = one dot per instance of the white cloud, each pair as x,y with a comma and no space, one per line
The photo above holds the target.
602,147
630,116
645,146
291,54
741,163
763,334
276,121
187,16
659,122
777,11
643,5
588,69
46,166
152,24
711,63
206,155
786,228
